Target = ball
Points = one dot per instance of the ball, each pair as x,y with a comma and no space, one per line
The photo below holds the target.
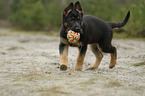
72,36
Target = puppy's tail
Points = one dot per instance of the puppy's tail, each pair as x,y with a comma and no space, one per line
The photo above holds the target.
120,24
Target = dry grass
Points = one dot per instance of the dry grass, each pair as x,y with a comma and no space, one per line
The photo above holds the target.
15,48
51,91
139,64
114,83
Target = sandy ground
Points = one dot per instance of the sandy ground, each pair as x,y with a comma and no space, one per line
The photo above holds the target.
29,66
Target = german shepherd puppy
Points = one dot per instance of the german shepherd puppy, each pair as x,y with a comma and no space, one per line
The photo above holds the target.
93,31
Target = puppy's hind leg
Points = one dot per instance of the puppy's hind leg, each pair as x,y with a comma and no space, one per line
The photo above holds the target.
98,54
113,52
113,58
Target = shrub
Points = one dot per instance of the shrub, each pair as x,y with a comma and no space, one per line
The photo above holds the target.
136,26
42,14
29,14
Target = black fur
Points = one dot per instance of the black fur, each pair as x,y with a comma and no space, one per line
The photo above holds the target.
91,29
61,48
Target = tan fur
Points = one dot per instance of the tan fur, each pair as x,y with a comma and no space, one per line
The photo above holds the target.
96,64
67,12
98,54
81,12
112,61
65,24
80,61
64,57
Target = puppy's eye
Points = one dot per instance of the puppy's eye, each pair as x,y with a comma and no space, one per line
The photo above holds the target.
78,18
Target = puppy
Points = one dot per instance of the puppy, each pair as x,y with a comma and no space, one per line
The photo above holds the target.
93,31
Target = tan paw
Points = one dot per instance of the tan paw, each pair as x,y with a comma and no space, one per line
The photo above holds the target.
111,66
92,68
78,68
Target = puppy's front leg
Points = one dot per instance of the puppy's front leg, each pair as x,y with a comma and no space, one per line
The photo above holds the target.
63,50
81,56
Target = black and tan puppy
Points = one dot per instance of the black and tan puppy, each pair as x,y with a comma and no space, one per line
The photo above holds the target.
93,31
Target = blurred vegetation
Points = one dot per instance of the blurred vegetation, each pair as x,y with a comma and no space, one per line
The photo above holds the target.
46,14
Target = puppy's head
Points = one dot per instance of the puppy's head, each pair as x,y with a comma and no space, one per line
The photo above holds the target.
73,17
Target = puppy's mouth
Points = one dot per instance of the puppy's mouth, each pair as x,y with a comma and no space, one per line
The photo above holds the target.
80,31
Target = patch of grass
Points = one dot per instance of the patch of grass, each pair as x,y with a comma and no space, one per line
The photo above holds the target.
141,88
7,62
24,41
29,33
10,32
139,64
52,91
18,32
3,53
90,81
33,75
30,77
120,35
115,83
20,84
15,48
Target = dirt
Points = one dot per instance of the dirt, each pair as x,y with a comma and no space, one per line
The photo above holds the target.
29,66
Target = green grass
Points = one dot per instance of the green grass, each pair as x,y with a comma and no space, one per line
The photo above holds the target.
15,48
3,53
139,64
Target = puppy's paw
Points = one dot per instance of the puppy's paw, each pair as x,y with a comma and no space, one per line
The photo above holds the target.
63,67
111,66
92,68
78,68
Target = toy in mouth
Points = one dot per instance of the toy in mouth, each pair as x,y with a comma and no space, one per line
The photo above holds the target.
72,36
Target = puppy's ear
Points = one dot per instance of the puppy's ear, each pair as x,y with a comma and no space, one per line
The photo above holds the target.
78,7
68,9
